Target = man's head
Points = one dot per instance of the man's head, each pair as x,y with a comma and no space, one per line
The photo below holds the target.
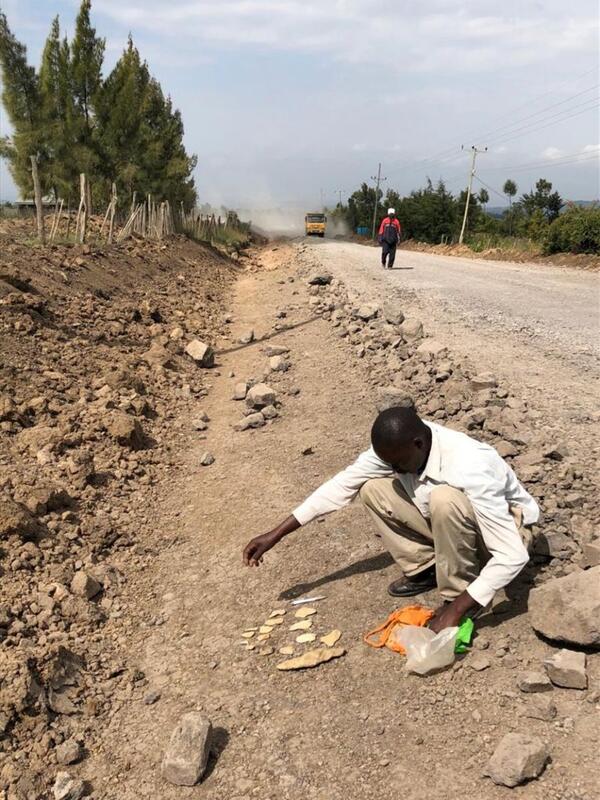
402,439
391,212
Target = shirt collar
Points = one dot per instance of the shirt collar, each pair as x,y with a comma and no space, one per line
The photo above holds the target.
433,467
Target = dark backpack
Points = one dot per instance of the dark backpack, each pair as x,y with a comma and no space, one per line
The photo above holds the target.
390,233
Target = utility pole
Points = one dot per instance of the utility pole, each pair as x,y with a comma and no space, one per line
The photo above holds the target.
377,180
474,150
322,200
339,192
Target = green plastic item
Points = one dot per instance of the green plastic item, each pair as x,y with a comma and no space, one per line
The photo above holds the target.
464,635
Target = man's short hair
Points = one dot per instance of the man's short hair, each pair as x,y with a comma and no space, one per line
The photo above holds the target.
396,426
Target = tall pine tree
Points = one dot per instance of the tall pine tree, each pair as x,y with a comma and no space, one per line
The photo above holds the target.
57,114
21,99
87,55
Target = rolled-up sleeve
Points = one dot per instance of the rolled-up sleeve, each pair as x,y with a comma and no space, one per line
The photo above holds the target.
342,488
484,485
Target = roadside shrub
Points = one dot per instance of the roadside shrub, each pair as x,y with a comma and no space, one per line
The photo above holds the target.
575,231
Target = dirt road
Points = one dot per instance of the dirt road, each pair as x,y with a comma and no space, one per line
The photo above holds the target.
360,727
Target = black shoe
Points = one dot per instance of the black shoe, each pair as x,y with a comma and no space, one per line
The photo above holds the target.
417,584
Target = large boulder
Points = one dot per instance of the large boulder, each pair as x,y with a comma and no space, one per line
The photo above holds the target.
568,609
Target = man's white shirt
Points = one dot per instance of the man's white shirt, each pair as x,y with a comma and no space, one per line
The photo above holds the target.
456,460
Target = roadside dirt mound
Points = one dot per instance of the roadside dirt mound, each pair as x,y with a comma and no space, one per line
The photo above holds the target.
93,379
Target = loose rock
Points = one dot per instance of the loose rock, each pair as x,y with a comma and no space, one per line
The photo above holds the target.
568,609
567,668
516,759
85,585
202,353
534,682
67,788
260,395
189,747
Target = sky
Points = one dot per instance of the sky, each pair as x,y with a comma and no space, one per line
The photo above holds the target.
289,102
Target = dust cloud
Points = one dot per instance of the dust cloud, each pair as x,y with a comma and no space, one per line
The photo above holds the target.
288,222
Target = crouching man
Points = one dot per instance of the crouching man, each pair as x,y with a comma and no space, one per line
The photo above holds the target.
448,508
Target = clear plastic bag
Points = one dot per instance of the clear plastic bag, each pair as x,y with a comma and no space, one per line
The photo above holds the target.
426,651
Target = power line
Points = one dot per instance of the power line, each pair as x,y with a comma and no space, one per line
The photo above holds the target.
518,108
552,162
487,186
494,134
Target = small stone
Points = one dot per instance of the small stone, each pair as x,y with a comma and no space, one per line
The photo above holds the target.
567,668
260,395
266,651
84,585
312,658
269,412
246,337
479,662
411,329
516,759
302,625
251,421
534,682
67,788
320,279
202,353
206,459
275,350
367,311
431,347
68,752
278,364
287,650
126,430
541,707
240,390
189,747
486,380
151,697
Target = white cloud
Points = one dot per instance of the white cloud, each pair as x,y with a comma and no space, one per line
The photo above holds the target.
552,153
454,36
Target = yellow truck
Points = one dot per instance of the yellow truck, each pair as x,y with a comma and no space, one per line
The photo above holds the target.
314,224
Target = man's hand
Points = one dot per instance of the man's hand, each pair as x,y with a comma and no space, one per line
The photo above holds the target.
444,617
257,547
450,614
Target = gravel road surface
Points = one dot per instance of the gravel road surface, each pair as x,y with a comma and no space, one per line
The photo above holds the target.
559,307
536,327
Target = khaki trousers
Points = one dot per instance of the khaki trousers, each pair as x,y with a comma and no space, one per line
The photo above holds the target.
450,539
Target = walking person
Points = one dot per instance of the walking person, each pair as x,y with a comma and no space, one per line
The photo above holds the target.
389,236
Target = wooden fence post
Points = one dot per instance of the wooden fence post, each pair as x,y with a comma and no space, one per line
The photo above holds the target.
113,210
37,190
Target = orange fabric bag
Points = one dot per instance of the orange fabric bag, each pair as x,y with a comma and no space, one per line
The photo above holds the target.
409,615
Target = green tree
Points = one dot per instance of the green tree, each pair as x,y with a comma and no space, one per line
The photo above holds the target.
510,190
57,114
483,197
542,199
86,66
21,99
360,207
141,136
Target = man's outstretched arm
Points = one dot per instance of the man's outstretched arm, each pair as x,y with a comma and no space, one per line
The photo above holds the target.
335,494
257,547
